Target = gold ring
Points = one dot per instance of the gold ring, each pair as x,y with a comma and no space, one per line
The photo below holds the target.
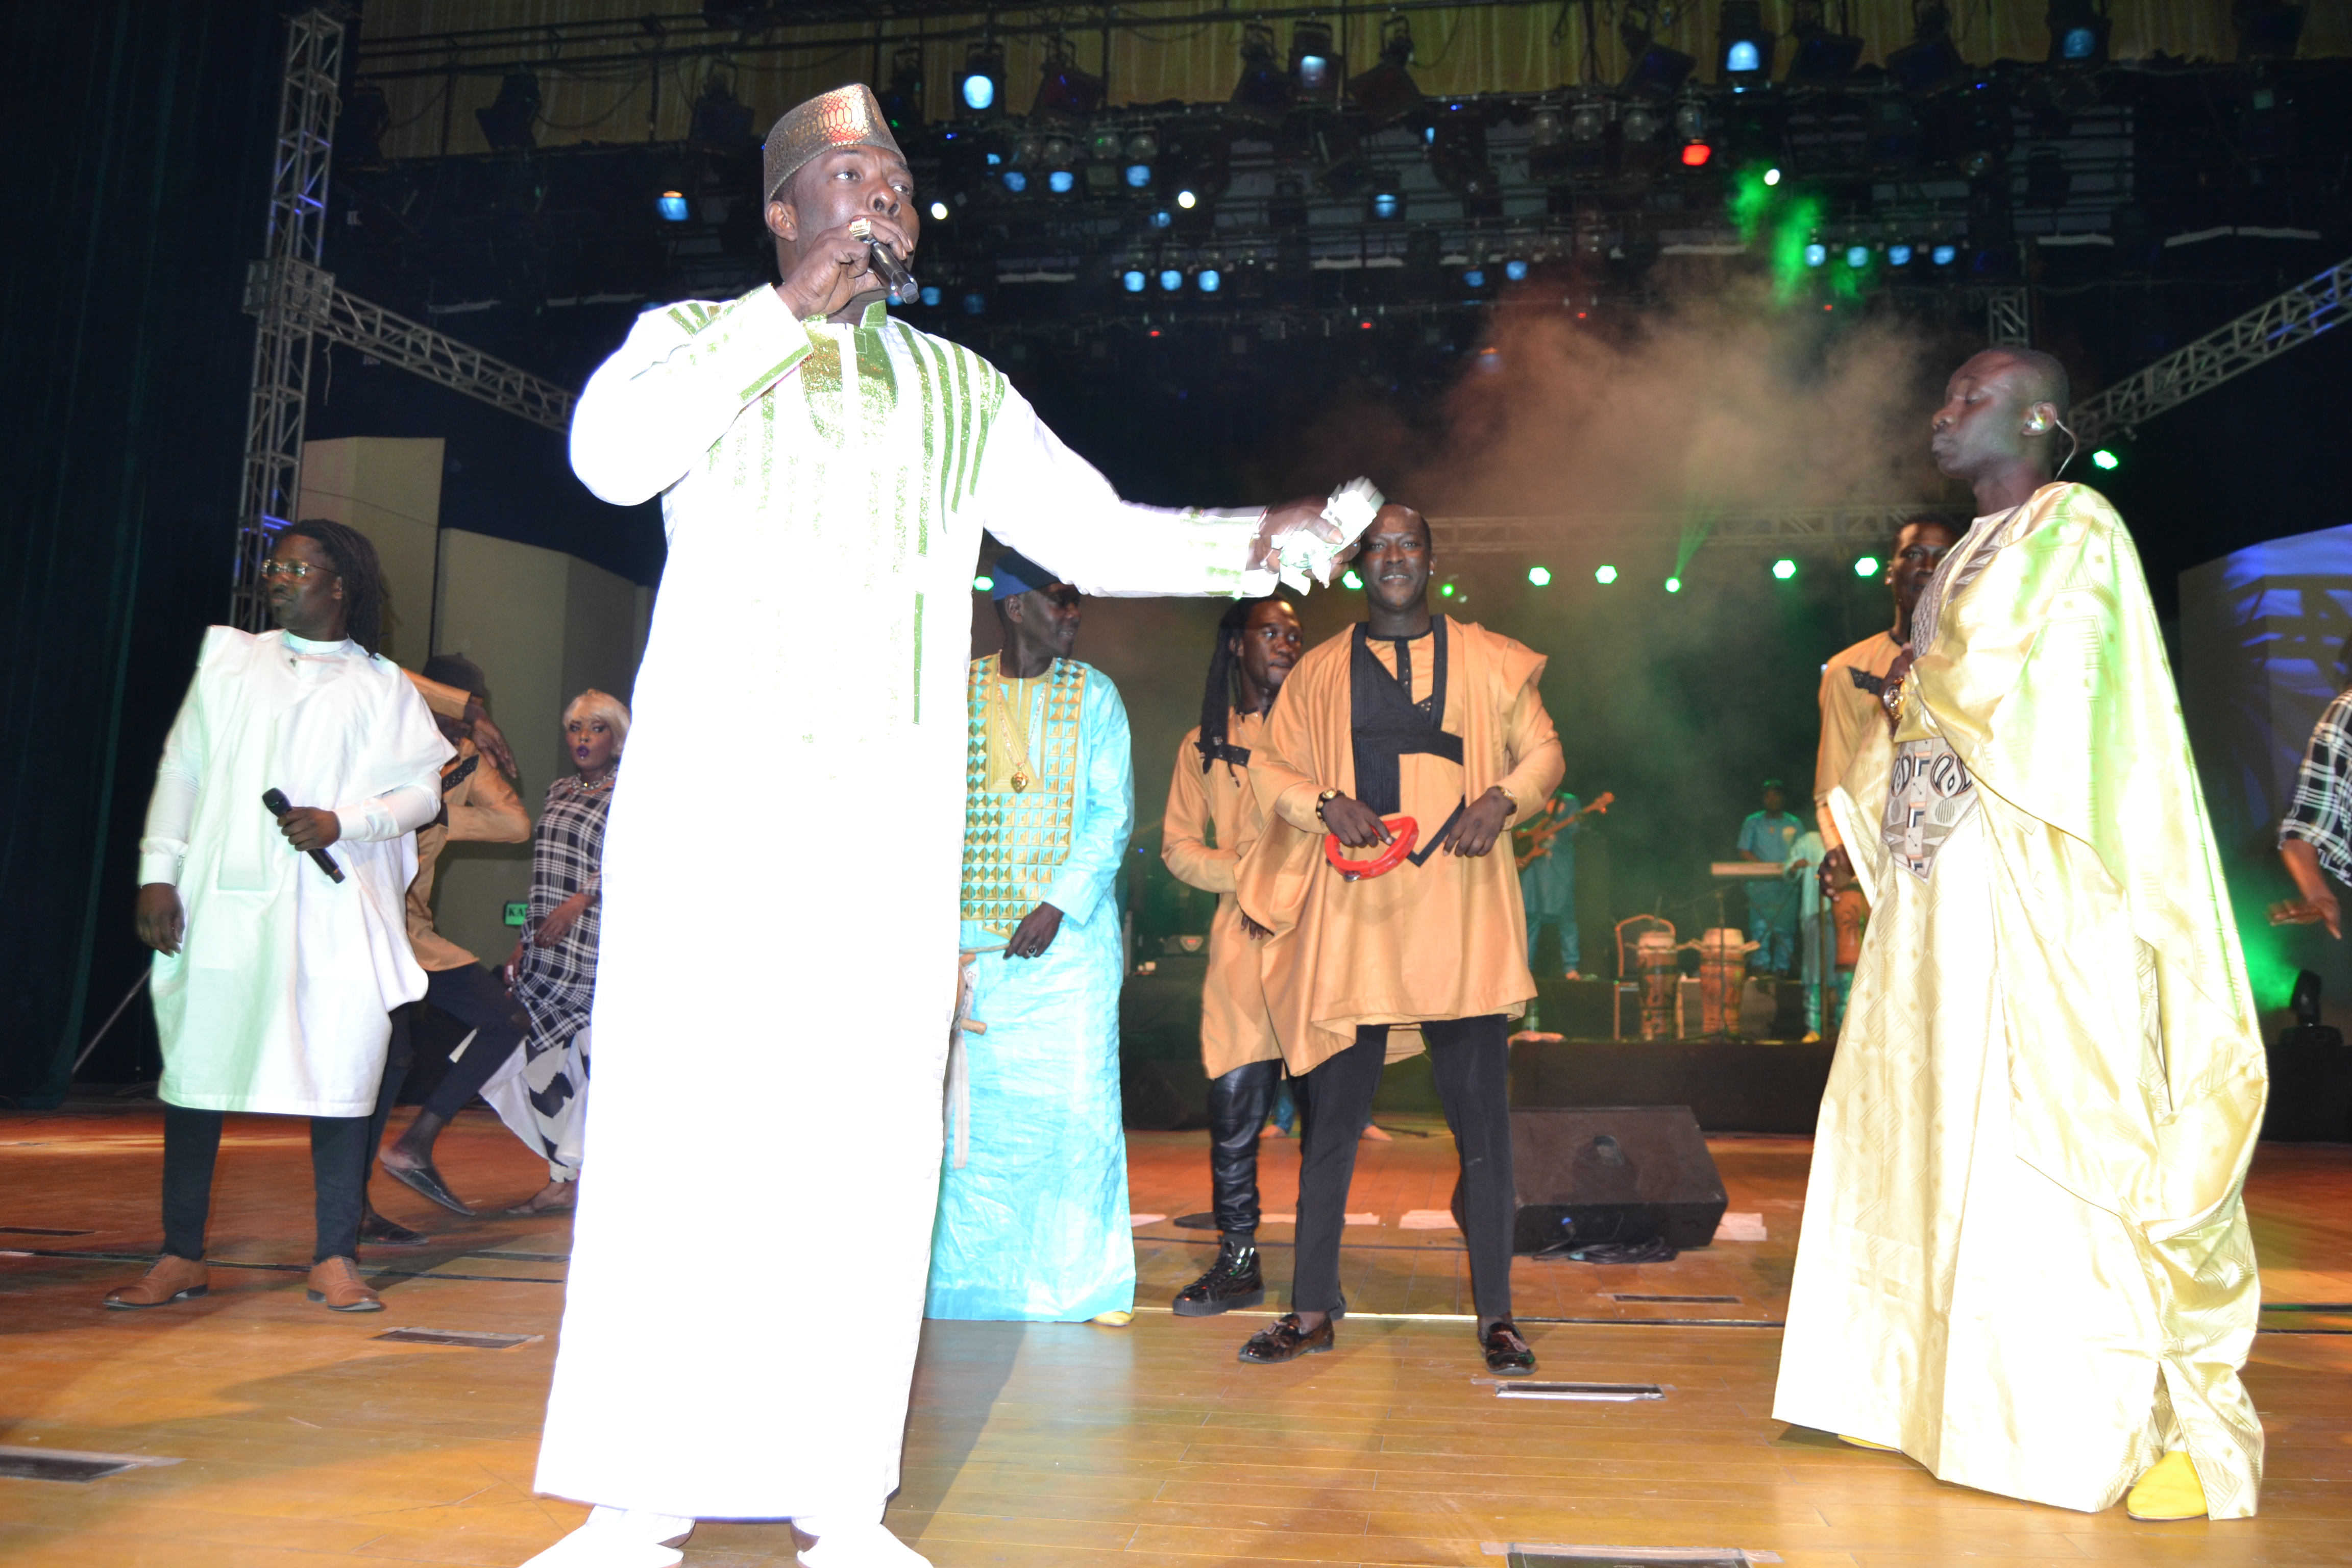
861,230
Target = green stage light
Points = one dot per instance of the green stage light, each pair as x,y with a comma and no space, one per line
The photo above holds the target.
1539,575
1784,569
1604,576
1674,584
2106,460
1867,566
983,585
1446,590
1350,579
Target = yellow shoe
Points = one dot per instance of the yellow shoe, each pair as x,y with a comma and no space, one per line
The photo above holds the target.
2170,1490
1866,1443
1114,1320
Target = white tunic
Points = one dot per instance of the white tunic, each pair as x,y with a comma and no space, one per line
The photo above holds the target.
277,998
776,983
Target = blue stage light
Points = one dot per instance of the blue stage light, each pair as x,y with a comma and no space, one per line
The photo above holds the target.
1138,176
672,205
1171,279
1816,254
1742,57
1061,182
931,294
1162,220
1015,180
979,92
1475,278
1898,255
2079,43
1387,203
1209,280
975,304
1133,280
1944,255
1517,271
1857,255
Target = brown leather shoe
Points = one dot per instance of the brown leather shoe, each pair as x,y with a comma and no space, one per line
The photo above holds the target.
172,1280
337,1283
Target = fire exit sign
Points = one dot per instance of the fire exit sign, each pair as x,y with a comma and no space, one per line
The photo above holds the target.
519,913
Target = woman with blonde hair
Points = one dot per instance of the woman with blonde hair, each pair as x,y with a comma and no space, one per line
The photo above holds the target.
554,966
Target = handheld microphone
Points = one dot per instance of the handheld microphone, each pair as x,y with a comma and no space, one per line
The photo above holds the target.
896,281
275,799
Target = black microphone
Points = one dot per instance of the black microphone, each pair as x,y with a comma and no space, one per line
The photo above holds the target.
275,799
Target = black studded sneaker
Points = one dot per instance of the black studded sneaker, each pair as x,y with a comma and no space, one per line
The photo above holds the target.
1233,1282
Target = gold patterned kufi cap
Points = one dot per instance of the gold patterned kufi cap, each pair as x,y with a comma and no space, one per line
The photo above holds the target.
846,117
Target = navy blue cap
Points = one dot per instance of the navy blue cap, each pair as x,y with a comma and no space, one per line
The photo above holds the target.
1016,574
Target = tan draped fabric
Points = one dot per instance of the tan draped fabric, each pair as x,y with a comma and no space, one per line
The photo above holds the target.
1213,819
1446,938
1849,711
482,809
2024,1259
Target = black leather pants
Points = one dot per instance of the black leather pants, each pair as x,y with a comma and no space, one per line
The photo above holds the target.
1239,1102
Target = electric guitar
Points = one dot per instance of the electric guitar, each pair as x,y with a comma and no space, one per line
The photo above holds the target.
1547,828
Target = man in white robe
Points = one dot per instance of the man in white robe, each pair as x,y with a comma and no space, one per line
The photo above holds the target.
826,474
273,982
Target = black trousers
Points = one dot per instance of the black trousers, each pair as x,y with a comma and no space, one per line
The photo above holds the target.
340,1157
1471,1061
1239,1102
474,996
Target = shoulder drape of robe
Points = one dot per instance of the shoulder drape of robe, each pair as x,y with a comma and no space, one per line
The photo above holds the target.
2048,677
1317,980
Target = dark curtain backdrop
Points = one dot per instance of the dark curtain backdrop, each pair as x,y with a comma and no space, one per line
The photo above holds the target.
136,171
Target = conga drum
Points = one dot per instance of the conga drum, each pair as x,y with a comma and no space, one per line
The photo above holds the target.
1654,959
1722,972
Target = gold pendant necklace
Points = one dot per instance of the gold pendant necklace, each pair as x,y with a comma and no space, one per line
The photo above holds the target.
1015,739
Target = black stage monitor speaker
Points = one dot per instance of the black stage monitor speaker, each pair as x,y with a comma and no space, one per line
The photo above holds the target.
1633,1173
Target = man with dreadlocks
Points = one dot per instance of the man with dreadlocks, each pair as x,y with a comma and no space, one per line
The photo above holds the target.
274,979
1213,819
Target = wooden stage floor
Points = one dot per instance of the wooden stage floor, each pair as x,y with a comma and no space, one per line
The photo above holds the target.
297,1436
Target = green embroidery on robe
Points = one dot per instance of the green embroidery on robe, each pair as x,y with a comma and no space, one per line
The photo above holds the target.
1014,841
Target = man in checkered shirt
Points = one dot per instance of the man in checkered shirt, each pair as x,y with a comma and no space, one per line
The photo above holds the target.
2316,834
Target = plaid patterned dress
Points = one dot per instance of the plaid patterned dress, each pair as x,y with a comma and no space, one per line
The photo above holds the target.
557,983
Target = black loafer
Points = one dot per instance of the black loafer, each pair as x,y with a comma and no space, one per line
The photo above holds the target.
1508,1355
426,1181
377,1231
1285,1341
1233,1282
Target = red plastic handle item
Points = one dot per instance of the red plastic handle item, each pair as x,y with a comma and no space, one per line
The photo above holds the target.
1407,833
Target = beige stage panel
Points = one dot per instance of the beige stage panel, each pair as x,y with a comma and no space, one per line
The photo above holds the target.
389,488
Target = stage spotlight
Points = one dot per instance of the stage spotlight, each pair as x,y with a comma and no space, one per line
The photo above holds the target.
1930,60
1539,575
1604,576
1262,93
718,120
1387,92
359,129
2303,1002
1656,71
2105,459
1588,123
1784,569
1898,255
1172,279
975,304
1824,58
2267,29
1187,200
938,211
1640,123
1816,254
1133,280
1944,255
1867,566
1315,66
980,86
1387,203
1743,54
1695,155
1015,180
1138,176
1474,278
1161,219
2078,34
1142,147
902,102
1771,177
1515,270
506,123
671,204
1857,255
931,294
1349,580
1458,156
1446,590
1061,182
1674,584
1063,90
1209,280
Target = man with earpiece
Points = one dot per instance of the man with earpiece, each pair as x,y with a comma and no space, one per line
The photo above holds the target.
2024,1261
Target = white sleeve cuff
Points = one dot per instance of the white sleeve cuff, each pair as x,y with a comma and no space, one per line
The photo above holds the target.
160,861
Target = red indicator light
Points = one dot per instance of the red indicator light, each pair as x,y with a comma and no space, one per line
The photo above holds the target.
1695,155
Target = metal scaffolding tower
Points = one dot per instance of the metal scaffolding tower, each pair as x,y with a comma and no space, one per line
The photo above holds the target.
2262,333
296,300
280,290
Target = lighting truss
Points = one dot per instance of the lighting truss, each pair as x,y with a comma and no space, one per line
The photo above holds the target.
435,356
280,387
2009,318
1817,530
2262,333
